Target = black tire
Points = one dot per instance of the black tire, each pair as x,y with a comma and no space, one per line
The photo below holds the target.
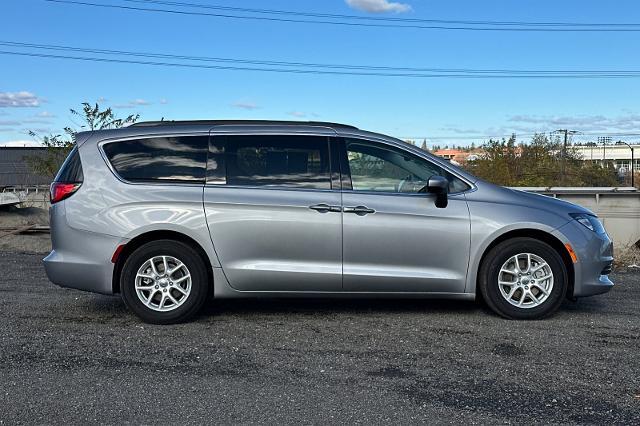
490,269
199,282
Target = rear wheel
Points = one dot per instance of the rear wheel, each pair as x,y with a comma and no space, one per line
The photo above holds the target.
164,282
523,278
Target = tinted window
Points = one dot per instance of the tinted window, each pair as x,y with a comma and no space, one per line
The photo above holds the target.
71,170
285,161
167,159
216,171
385,169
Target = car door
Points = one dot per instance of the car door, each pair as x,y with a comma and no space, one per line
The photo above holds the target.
395,239
273,215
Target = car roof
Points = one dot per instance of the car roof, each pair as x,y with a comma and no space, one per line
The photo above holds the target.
165,123
150,128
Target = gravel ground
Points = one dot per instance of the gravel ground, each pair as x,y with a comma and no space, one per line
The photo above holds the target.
11,216
77,358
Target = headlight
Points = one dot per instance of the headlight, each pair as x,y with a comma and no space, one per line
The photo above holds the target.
589,221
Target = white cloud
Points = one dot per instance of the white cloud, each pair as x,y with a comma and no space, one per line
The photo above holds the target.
101,100
40,130
245,105
45,114
19,100
298,114
21,144
378,6
589,127
585,123
139,102
133,103
9,123
163,101
35,121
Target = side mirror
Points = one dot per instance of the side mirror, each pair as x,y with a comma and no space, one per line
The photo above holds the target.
439,185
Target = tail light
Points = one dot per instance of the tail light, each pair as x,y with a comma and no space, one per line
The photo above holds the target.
61,190
68,179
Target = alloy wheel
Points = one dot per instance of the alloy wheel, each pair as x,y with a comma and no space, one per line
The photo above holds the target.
163,283
525,280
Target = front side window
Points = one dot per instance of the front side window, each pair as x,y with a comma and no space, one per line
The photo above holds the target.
160,159
379,168
278,161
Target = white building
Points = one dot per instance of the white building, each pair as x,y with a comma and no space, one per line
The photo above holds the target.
620,155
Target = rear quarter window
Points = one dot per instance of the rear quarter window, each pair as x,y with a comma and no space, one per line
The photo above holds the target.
160,159
71,169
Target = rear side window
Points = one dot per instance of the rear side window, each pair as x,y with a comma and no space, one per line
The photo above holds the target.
278,161
71,170
160,159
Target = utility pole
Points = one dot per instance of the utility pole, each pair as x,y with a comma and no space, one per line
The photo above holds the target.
563,155
633,183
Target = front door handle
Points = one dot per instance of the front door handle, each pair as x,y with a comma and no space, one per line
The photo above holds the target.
359,210
325,208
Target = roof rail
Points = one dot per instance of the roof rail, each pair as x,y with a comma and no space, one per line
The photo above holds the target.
240,123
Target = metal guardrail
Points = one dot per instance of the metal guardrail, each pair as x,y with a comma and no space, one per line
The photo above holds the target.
579,189
617,207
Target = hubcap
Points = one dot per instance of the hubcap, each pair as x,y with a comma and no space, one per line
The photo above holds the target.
163,283
525,280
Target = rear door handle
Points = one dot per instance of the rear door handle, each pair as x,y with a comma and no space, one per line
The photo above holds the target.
359,210
325,208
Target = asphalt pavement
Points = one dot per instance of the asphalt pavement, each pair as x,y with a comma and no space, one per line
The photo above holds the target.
78,358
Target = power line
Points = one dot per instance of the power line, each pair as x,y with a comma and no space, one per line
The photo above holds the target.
351,20
160,59
369,18
626,73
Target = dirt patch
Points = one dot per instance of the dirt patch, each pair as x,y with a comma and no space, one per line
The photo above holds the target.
15,217
21,216
26,243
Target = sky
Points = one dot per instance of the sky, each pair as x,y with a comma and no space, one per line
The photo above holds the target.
36,93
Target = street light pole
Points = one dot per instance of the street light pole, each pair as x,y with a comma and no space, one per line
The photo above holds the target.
633,184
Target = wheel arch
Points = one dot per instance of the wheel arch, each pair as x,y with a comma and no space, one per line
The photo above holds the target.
537,234
138,241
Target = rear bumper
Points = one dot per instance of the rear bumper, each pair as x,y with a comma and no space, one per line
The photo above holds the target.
79,259
595,257
78,273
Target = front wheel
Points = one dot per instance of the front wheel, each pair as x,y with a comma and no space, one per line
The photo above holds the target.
523,278
164,282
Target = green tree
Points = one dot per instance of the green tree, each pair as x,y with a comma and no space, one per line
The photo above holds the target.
542,162
59,145
499,162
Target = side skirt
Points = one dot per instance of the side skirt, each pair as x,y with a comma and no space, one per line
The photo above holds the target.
223,290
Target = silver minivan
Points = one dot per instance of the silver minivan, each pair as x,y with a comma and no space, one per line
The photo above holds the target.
171,214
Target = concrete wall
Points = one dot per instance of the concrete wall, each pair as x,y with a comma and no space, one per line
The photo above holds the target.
618,208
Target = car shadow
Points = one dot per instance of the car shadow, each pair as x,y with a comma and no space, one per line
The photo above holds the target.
113,305
328,306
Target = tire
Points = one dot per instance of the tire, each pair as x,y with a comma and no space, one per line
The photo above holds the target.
172,298
514,291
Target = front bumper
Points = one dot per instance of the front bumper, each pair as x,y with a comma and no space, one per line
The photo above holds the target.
595,257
